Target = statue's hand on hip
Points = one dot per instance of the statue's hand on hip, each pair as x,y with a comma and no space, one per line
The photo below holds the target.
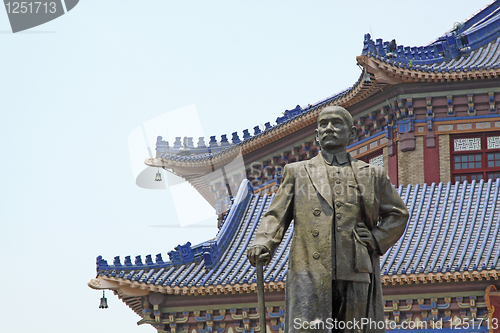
366,236
258,253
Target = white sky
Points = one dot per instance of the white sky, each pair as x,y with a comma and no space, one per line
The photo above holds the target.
73,90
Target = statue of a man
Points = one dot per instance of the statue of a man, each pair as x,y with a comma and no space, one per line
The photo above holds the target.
346,215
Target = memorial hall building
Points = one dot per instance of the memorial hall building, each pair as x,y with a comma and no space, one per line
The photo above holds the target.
429,116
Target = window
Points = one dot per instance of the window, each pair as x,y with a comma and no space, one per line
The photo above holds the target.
493,175
475,157
466,144
469,177
379,160
375,158
463,162
493,160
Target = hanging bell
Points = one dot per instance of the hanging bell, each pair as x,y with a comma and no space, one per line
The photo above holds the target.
158,176
104,302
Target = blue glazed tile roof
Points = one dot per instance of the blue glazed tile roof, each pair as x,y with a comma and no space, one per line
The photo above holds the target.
471,46
483,58
452,228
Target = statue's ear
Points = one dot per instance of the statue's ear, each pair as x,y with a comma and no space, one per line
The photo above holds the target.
316,138
353,133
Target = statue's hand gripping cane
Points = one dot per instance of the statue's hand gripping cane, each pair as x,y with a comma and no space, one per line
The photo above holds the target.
258,256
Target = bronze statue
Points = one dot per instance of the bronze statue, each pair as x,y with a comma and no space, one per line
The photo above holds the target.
346,215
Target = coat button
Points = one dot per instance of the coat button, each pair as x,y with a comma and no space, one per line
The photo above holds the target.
338,181
338,204
315,232
339,216
316,211
316,255
339,229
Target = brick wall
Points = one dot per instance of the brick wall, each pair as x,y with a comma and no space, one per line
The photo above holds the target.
411,164
444,158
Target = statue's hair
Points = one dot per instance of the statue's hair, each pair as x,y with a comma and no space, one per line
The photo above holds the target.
345,114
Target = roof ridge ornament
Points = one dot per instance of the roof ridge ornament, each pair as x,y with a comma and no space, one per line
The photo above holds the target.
186,143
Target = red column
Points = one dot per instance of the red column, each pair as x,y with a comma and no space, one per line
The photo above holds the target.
392,158
431,164
393,167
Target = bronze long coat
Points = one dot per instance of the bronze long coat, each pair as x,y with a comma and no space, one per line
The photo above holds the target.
305,196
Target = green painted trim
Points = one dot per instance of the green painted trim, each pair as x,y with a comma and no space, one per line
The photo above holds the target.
428,94
377,107
436,295
277,303
217,307
287,148
452,92
366,113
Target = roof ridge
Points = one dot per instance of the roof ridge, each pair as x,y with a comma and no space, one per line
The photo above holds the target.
468,22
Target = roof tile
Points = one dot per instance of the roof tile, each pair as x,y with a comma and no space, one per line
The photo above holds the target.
452,227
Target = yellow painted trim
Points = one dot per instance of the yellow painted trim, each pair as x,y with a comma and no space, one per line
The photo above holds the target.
477,120
440,277
370,151
140,289
472,130
378,137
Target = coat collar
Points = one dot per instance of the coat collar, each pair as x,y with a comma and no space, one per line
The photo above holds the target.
340,158
317,172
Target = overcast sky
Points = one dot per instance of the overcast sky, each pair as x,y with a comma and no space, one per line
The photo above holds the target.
74,89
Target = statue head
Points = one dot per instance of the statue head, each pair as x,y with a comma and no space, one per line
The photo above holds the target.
335,129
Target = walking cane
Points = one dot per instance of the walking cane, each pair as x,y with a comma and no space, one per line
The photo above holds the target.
260,295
